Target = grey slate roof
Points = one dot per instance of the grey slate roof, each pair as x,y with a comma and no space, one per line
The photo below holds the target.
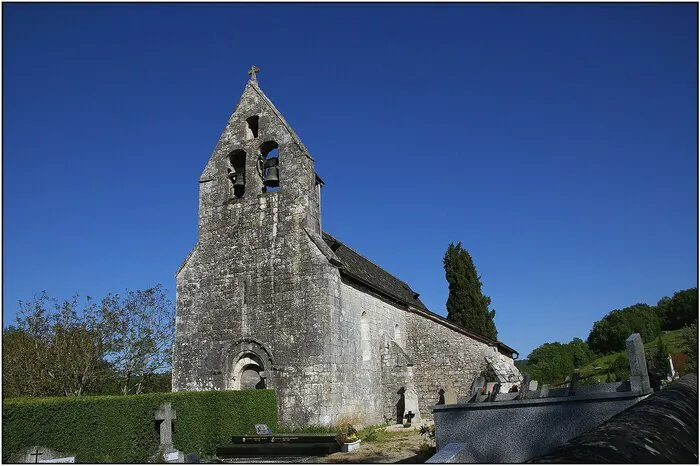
364,270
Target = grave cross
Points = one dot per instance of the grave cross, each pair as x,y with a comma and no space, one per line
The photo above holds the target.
253,69
36,455
166,414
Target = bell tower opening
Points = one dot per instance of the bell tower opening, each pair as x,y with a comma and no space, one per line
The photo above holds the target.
237,174
269,154
252,127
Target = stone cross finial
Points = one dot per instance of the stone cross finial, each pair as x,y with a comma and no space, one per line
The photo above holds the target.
166,414
253,69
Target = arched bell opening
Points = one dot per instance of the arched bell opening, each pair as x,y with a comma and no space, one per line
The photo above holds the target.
237,172
251,130
269,155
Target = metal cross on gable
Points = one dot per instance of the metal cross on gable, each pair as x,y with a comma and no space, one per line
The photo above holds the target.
253,69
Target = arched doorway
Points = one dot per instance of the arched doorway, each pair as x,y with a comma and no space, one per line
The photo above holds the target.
247,373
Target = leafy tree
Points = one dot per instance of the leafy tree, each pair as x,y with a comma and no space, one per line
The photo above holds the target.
680,310
141,328
609,334
660,357
689,338
552,362
58,348
466,305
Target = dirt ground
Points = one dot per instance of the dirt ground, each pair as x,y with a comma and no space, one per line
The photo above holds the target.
396,445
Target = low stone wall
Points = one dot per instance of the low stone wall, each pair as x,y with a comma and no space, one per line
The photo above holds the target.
515,431
661,429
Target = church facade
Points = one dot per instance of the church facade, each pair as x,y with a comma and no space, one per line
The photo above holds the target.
267,299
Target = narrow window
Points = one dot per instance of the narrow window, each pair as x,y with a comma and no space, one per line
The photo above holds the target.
245,292
364,335
269,155
237,174
251,131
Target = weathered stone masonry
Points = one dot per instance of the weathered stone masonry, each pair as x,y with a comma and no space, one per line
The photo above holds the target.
266,298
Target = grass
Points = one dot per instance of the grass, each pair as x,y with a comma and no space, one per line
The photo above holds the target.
672,340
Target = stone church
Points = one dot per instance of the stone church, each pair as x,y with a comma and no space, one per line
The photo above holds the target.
267,299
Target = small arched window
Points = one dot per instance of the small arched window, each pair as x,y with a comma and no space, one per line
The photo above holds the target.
251,130
237,172
269,156
364,335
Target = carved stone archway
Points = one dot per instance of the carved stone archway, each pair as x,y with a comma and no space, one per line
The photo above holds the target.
247,359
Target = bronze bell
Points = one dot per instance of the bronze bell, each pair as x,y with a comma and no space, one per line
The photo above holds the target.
272,178
239,185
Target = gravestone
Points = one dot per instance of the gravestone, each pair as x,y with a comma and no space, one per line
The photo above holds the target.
533,385
489,387
166,414
524,388
38,454
477,386
262,429
450,396
411,404
639,377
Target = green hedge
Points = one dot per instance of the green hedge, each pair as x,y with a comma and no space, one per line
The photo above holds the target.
122,429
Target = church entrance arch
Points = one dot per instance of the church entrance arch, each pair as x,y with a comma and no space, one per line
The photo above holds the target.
249,366
246,374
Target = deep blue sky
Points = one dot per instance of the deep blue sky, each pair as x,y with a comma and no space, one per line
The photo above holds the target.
557,142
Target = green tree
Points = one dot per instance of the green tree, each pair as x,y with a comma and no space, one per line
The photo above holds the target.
680,310
141,328
609,334
552,362
467,306
660,357
60,348
689,339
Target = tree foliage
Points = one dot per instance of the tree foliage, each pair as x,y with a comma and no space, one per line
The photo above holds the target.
60,348
689,337
680,310
467,306
552,362
609,334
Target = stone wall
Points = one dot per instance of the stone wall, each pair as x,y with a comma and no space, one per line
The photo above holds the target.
405,349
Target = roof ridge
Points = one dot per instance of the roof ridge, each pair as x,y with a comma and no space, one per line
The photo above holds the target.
371,262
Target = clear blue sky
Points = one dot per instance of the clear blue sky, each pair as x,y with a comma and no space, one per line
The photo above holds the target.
557,142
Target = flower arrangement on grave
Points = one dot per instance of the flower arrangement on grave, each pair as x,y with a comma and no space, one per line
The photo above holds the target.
348,436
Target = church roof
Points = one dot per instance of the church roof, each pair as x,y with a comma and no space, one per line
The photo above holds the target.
358,267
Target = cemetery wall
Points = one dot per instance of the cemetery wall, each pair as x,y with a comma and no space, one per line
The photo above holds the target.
120,429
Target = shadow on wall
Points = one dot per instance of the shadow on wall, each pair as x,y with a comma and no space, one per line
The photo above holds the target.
400,405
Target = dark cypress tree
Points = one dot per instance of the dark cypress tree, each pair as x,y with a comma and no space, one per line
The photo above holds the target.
466,305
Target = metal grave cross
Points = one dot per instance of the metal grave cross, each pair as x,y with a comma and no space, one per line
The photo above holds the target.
36,455
253,69
166,414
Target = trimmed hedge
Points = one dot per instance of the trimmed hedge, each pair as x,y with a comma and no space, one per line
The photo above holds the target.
122,429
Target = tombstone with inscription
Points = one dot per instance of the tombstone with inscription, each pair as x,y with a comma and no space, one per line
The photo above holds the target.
533,385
